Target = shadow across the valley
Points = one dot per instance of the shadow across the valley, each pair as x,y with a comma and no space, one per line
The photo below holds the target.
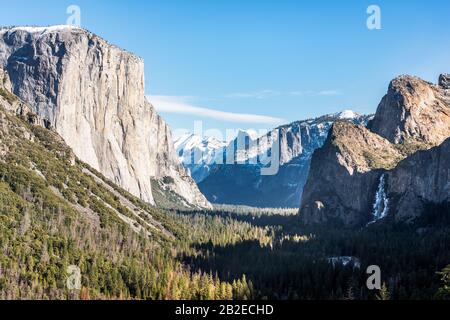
287,270
409,256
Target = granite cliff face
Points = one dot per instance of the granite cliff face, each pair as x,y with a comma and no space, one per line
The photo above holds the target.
363,174
92,94
344,175
12,103
414,109
418,180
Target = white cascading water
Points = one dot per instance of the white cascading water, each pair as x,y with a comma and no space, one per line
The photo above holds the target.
381,205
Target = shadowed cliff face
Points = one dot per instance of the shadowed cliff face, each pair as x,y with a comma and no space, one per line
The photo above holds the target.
421,178
92,94
345,174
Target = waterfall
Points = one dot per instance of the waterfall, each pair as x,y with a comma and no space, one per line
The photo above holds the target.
381,204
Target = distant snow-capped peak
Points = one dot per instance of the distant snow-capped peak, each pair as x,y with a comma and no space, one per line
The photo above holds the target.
347,114
203,149
300,138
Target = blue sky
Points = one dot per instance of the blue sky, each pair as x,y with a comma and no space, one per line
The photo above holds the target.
281,60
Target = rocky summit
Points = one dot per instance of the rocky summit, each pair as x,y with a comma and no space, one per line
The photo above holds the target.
92,94
395,167
414,109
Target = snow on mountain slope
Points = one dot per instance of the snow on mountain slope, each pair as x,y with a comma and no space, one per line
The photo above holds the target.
347,114
198,154
241,182
30,29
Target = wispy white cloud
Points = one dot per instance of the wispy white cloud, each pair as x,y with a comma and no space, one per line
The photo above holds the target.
329,93
261,94
265,94
183,105
316,93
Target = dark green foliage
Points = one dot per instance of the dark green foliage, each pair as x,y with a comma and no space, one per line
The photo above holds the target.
444,291
53,215
411,146
168,180
293,266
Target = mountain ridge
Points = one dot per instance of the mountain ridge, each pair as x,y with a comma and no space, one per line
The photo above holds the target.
412,122
241,182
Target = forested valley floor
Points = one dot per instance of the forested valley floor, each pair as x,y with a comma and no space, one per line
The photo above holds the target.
283,260
57,212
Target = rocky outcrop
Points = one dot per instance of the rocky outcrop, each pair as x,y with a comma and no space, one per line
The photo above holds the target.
444,81
5,83
92,94
414,109
344,175
362,175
